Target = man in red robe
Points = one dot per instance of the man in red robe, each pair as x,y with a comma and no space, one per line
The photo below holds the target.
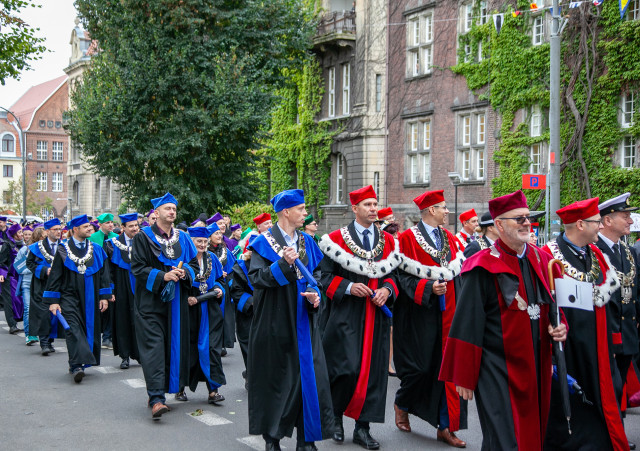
500,340
359,273
469,221
422,318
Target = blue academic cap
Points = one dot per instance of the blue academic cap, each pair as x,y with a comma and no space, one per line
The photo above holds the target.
128,218
287,199
166,199
78,221
199,232
213,228
51,223
215,218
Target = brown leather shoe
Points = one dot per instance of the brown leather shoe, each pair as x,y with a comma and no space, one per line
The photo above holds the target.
450,438
402,419
157,410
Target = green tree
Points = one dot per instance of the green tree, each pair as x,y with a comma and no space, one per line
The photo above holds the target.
18,42
36,200
180,93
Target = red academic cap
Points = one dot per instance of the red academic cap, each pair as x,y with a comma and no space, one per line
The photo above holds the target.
506,203
582,209
384,212
466,215
361,194
429,198
262,217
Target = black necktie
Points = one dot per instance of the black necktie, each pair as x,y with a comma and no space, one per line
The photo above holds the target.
365,240
436,238
616,254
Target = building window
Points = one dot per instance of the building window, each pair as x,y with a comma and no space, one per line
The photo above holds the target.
480,128
56,151
76,193
484,15
628,109
468,17
346,85
628,152
42,124
41,181
480,56
8,144
376,182
536,121
420,39
56,182
378,93
41,150
7,170
633,10
339,179
538,30
536,159
471,146
58,124
418,150
7,198
332,91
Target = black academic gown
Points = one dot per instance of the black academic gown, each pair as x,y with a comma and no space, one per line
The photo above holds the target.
158,324
122,323
420,328
79,298
348,323
282,335
205,334
242,294
39,264
588,425
476,246
227,261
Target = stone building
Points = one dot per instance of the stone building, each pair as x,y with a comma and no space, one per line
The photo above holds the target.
40,111
89,192
350,45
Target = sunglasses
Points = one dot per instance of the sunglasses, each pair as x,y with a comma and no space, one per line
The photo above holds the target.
521,219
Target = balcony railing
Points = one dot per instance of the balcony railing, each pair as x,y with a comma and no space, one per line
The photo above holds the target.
340,22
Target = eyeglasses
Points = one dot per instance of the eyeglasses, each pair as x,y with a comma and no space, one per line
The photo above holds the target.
595,221
521,219
440,206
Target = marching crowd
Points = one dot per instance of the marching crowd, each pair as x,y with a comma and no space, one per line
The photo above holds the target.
321,320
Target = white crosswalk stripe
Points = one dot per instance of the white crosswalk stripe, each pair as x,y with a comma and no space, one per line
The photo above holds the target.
108,369
134,383
256,442
210,419
5,328
61,349
3,322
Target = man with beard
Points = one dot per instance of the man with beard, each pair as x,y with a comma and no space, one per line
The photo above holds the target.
13,307
122,320
283,334
499,344
359,274
78,288
227,260
42,323
429,285
160,303
588,353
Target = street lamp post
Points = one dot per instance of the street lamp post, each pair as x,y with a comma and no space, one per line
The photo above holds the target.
4,115
455,181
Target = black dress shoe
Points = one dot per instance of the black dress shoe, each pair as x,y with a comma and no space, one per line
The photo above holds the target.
181,396
338,434
363,438
125,364
45,350
272,446
223,353
632,446
308,446
14,330
51,348
78,375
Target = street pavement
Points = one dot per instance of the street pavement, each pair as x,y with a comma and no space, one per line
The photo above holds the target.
42,408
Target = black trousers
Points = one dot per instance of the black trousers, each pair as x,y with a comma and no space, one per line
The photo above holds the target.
6,302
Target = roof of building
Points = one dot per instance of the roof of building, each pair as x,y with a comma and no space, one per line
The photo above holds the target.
26,106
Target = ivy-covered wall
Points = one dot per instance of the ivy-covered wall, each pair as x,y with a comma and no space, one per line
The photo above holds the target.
299,148
599,63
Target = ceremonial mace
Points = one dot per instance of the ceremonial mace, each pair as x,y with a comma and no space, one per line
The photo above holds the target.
558,350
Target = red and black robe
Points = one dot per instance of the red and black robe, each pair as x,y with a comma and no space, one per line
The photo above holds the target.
497,346
589,357
356,336
421,328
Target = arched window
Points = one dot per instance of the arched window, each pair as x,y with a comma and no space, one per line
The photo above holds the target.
8,144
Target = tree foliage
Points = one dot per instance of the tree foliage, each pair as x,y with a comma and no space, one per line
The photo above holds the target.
599,64
181,92
18,42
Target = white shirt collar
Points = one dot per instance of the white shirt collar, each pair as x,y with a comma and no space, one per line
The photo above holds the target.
607,241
